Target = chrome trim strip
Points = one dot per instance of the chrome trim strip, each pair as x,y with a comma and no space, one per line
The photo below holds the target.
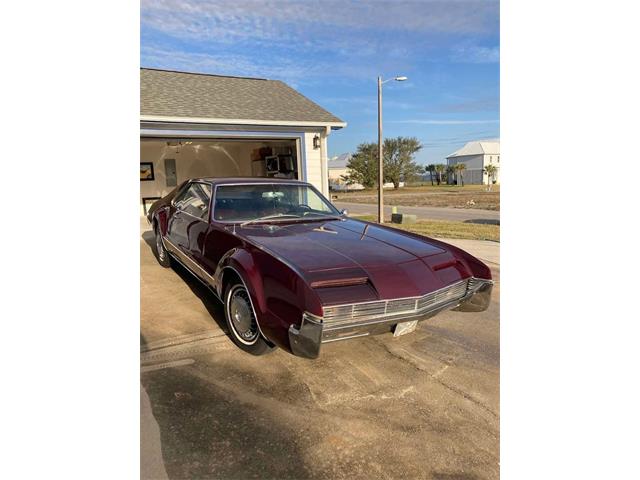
191,265
184,188
346,338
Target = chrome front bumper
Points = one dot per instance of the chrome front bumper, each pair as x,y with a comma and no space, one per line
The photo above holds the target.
305,340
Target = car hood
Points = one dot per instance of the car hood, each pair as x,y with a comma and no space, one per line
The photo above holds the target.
363,260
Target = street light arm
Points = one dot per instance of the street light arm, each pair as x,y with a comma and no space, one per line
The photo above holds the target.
397,79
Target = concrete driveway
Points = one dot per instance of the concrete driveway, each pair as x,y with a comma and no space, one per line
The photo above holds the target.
426,213
425,405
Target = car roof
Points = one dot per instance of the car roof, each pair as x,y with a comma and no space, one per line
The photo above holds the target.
244,180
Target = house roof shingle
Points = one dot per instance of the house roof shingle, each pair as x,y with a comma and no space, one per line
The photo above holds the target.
478,147
171,94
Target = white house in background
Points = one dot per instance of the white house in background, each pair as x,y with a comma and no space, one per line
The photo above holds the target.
337,167
476,156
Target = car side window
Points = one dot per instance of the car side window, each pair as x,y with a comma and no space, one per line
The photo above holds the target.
195,200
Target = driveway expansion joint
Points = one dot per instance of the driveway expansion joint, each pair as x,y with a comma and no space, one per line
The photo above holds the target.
435,378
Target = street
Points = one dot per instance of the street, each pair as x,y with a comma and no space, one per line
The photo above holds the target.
426,213
425,405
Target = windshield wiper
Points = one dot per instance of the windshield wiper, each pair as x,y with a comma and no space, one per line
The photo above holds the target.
326,215
269,217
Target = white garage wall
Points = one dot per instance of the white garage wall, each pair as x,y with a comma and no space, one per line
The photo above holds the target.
314,162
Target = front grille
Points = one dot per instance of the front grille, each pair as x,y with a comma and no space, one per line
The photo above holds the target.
452,292
343,314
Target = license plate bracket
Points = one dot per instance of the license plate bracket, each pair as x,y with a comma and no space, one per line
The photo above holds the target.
404,327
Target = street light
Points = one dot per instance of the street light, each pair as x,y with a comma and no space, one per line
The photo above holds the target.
380,162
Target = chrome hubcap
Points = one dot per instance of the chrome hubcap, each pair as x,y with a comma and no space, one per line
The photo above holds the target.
160,246
242,316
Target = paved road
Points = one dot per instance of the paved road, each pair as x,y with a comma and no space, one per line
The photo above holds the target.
426,213
425,405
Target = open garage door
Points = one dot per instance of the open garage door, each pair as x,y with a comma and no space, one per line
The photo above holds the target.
166,162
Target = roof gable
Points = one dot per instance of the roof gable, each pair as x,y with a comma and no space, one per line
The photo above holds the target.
341,161
478,147
172,94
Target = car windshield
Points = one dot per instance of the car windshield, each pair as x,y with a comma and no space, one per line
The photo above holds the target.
270,202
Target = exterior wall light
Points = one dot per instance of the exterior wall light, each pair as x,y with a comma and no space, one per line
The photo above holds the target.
316,142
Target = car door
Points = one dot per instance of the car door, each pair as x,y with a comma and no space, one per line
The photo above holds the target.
188,226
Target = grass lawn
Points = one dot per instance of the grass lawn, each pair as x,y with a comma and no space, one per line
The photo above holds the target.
469,196
442,229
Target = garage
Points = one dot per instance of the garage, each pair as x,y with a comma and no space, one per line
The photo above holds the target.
200,125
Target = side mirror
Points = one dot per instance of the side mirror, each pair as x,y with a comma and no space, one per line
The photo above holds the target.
344,212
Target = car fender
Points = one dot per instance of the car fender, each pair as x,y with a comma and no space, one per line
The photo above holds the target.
274,327
242,264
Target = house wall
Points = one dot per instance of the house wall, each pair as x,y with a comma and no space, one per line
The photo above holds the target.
474,172
493,160
336,173
314,161
337,183
471,161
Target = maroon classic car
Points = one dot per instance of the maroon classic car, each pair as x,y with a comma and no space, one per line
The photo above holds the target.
292,271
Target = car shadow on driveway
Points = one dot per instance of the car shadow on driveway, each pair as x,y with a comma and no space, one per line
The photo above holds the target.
206,431
202,292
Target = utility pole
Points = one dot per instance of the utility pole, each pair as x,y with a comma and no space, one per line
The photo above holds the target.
380,162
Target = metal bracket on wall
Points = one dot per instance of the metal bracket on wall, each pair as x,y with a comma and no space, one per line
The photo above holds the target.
170,172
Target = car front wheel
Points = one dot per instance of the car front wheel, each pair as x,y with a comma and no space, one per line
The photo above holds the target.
241,320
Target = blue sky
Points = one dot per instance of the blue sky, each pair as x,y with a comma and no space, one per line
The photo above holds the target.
333,51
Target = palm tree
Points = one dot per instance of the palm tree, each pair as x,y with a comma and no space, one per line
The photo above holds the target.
451,172
430,168
440,169
491,171
459,168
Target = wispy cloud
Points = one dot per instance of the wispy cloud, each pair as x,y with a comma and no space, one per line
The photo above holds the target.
275,67
340,25
445,122
469,105
475,54
202,16
370,101
224,64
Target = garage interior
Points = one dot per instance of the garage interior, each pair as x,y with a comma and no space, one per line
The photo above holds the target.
175,160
